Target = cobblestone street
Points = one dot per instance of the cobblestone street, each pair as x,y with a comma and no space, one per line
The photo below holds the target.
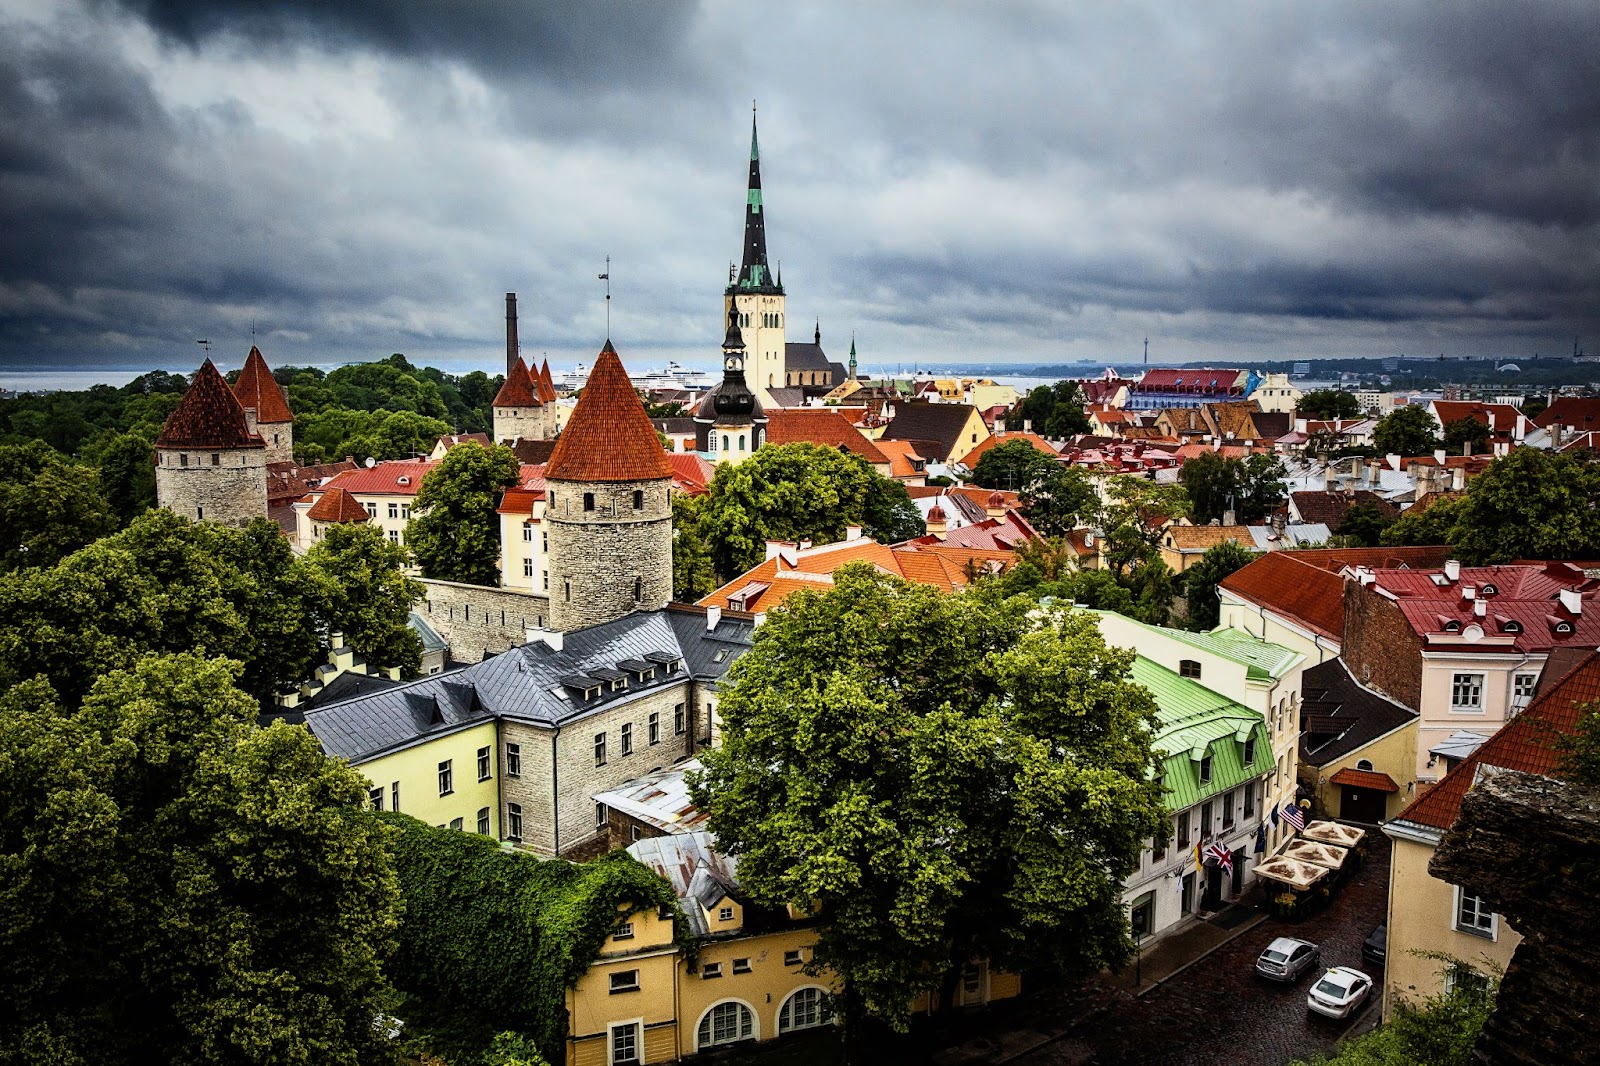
1219,1011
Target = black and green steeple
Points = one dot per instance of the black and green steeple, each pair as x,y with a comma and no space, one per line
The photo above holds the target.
754,273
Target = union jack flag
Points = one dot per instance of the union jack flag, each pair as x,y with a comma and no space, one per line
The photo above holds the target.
1294,816
1223,857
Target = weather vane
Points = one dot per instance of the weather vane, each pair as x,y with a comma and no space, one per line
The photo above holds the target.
606,277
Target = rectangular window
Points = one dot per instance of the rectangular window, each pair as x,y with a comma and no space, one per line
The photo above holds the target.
725,914
677,720
483,764
1250,751
599,815
216,458
394,510
545,542
446,783
394,796
1522,686
655,727
633,834
741,965
627,738
971,980
1158,846
1205,770
792,958
546,576
394,536
710,970
1205,819
455,823
372,509
527,532
1473,915
513,821
625,980
483,821
1188,668
624,931
1250,800
513,760
527,568
599,749
1466,693
625,1045
1183,829
1227,811
405,511
588,501
375,796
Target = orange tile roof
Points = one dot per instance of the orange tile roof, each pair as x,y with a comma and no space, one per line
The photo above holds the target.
208,416
519,389
900,454
1499,417
1039,443
401,478
1525,743
546,384
609,437
821,425
1305,586
256,387
691,474
337,505
1364,779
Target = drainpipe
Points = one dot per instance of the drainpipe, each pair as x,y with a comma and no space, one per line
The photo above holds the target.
555,790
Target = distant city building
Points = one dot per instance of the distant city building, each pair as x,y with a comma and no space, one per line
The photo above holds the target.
1160,389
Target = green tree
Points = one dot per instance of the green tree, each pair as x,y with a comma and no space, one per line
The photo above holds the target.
1200,582
1467,431
181,886
1261,486
1328,404
1530,504
358,584
1442,1032
791,492
1251,488
956,781
51,507
1013,464
1055,411
1061,500
455,530
1134,516
692,575
888,514
1406,431
127,463
1580,749
1364,525
1429,525
1534,407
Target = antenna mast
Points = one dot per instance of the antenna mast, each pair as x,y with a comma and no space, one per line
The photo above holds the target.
606,277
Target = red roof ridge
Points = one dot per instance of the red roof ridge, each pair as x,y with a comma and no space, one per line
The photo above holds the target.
208,416
337,505
256,387
608,437
519,389
546,384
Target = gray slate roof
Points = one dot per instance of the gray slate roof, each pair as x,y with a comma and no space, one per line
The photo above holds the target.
1341,715
940,423
525,684
805,355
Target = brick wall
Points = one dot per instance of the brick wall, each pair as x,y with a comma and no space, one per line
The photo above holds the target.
600,557
475,619
1381,649
231,491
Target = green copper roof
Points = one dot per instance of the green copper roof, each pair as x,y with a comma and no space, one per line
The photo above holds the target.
1262,660
1194,723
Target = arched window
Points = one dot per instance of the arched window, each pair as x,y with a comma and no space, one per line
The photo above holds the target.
724,442
638,589
1364,764
726,1023
806,1009
741,442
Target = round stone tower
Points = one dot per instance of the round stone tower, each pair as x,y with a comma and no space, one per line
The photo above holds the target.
210,466
608,506
266,410
519,409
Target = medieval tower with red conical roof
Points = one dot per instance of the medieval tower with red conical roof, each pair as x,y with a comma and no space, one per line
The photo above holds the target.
265,409
608,506
520,411
210,465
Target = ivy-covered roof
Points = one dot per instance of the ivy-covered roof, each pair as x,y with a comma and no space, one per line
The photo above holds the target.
1195,722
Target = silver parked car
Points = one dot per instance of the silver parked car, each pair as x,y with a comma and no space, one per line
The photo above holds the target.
1339,992
1287,958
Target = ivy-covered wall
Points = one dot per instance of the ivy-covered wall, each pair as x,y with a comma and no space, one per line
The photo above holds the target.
500,934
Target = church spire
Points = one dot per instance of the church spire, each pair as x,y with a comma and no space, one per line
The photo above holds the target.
754,274
852,357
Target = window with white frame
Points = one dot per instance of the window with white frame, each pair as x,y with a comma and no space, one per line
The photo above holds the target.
513,821
726,1023
625,1044
806,1009
446,778
624,981
1522,686
1466,693
483,821
483,764
513,760
1473,915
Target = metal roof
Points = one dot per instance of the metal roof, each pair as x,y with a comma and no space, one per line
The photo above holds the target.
1196,722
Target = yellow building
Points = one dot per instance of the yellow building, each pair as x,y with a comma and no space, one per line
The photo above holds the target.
1358,748
643,1001
448,781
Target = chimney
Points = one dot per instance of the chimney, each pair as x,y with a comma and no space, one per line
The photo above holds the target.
1572,600
999,427
1394,462
713,618
805,543
852,532
511,332
1458,479
1452,570
550,639
1480,609
1228,517
1438,456
1466,447
1027,425
775,547
1329,478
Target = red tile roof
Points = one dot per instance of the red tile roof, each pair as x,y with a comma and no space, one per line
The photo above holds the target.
1525,607
1305,586
903,458
337,505
1364,779
256,387
546,384
1574,412
288,481
691,475
821,425
1330,507
970,459
401,478
1499,417
1191,380
519,389
1525,743
208,416
609,437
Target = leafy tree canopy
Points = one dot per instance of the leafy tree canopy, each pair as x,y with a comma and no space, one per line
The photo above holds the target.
1363,525
181,886
1251,488
357,584
954,780
455,528
1530,504
1328,404
1054,411
1429,525
1061,500
692,574
1014,464
794,492
1406,431
1464,432
1201,579
51,507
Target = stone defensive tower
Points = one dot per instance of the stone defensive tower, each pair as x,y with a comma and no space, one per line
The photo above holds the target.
265,408
520,409
210,466
607,506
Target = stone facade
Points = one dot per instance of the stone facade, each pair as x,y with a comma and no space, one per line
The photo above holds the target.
228,486
535,422
610,549
562,763
278,437
476,619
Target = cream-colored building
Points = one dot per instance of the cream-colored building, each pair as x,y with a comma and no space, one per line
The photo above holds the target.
1277,393
384,490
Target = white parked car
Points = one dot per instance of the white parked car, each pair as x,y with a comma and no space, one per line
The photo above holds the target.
1339,992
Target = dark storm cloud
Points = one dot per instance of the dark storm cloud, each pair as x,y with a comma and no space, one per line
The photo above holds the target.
1006,182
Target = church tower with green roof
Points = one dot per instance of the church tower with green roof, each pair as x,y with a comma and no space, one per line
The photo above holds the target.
755,294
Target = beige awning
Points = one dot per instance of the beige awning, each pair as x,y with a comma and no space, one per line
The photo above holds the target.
1291,872
1330,856
1346,836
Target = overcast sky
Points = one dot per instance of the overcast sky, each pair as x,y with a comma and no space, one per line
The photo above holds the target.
1000,182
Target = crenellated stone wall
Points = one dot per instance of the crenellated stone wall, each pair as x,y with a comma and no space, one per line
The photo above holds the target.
477,619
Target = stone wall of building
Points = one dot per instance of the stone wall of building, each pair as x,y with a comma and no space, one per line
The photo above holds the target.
228,486
477,619
1380,647
608,557
279,437
529,423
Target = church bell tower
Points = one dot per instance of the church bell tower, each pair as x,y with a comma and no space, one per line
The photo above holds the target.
755,295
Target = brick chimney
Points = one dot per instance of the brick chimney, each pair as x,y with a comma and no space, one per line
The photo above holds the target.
511,332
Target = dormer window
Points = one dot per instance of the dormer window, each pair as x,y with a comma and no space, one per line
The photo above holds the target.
1564,628
1510,625
1452,626
1188,668
1488,590
1205,769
